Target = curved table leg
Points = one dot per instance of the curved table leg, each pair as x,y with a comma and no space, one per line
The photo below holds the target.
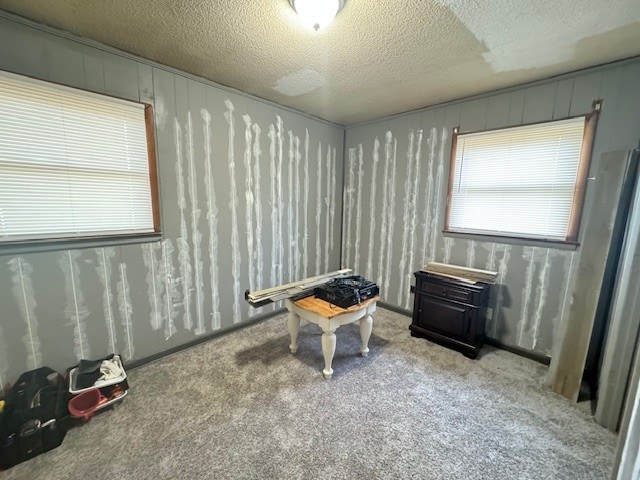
328,349
294,327
366,324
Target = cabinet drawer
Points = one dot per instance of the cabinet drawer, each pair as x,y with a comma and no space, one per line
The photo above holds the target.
447,291
444,317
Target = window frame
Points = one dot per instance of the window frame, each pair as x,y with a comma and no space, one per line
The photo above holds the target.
65,241
573,227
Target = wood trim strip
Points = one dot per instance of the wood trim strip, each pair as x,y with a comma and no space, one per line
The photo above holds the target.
153,165
579,192
452,172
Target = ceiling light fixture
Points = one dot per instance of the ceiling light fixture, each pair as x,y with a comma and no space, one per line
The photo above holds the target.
317,14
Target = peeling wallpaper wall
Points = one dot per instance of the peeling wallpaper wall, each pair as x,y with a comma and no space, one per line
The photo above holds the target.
247,199
396,186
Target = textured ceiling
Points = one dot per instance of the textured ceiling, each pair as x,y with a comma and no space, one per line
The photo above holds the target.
377,58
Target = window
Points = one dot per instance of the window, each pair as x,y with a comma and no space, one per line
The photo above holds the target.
73,164
523,182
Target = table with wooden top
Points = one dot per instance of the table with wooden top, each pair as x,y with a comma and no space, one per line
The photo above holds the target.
329,317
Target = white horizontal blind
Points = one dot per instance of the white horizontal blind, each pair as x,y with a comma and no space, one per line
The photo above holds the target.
72,163
517,181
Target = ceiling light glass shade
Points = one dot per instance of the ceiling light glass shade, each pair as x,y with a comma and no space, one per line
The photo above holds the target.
317,13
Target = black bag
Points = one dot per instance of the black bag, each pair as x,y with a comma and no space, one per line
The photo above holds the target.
35,417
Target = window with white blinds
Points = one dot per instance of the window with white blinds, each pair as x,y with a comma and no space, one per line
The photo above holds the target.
72,163
519,181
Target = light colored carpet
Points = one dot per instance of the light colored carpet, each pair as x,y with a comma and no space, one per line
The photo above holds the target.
243,407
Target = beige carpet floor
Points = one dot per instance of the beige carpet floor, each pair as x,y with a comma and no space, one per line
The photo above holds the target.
242,407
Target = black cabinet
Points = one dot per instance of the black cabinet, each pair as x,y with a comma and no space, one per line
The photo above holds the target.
450,311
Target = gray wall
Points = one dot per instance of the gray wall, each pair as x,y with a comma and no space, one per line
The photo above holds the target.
236,215
396,185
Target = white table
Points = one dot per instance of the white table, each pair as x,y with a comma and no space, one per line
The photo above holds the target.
329,317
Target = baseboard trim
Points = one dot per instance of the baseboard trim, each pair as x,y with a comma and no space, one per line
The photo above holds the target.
545,360
393,308
519,351
261,318
221,333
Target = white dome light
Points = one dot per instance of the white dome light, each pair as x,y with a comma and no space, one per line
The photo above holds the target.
317,14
